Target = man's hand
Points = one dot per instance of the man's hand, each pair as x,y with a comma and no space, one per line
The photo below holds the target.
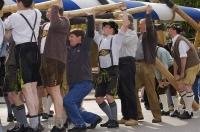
149,9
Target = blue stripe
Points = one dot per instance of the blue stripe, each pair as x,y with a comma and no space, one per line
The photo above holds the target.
69,5
195,14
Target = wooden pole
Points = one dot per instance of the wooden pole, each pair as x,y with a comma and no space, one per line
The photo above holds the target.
95,10
42,6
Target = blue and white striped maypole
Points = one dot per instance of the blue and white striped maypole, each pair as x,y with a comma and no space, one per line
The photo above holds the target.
161,11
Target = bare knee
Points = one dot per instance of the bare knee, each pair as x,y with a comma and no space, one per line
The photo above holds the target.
100,100
110,98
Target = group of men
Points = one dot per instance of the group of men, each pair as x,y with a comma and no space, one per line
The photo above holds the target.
37,61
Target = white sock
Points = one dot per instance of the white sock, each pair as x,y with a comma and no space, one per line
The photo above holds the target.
34,122
163,99
175,102
47,102
188,99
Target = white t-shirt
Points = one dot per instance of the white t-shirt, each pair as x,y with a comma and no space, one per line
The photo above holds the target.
44,36
129,45
2,32
105,61
183,47
21,31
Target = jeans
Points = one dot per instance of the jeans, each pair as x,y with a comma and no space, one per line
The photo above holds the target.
72,103
196,89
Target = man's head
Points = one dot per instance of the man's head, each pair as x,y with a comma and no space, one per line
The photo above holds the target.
174,29
76,37
1,4
142,25
110,28
58,9
24,3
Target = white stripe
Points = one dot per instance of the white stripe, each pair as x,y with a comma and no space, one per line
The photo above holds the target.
9,2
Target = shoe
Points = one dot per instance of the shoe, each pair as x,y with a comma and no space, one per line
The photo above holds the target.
10,118
45,116
93,125
175,114
185,115
122,121
165,113
113,124
17,128
105,124
140,117
56,129
131,122
51,113
156,120
78,129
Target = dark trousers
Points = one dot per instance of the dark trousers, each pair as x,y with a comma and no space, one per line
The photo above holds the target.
2,70
126,90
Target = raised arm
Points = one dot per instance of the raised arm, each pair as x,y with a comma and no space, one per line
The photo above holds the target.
90,26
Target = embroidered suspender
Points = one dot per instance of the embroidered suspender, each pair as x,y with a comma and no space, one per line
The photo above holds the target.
111,55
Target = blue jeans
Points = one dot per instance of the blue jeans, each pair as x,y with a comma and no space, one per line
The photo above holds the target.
72,103
196,89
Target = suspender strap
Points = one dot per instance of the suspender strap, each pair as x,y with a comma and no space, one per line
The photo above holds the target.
32,28
111,55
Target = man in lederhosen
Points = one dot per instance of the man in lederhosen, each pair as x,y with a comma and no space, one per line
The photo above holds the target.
109,44
25,27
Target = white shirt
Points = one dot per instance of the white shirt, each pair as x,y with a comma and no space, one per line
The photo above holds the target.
21,31
2,32
105,61
183,46
129,45
44,36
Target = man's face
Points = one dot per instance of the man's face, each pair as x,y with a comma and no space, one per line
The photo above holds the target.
74,40
171,32
108,30
142,25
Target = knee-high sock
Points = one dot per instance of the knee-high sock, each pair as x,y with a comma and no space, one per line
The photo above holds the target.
188,99
34,121
106,109
113,108
175,102
47,102
8,106
20,114
163,99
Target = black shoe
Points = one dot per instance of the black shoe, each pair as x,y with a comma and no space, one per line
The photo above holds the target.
56,129
10,118
78,129
17,128
113,124
45,116
175,114
93,125
165,113
105,124
185,115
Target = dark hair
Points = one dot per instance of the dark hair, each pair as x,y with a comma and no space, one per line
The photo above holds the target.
1,4
113,25
26,3
78,33
176,27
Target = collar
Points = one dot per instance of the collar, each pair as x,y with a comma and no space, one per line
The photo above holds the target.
174,39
